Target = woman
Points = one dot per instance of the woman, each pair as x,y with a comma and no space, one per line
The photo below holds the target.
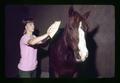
28,60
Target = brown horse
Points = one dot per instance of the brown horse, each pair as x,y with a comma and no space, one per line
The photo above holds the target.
63,49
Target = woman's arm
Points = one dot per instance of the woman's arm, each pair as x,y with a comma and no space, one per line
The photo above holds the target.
37,40
50,33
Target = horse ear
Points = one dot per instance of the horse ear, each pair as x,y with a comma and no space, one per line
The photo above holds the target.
71,9
86,14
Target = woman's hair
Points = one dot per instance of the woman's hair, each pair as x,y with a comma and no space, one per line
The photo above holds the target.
27,20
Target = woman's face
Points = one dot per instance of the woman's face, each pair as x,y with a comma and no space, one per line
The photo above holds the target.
30,27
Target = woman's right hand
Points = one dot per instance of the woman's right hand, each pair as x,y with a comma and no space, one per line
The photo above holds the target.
48,30
53,28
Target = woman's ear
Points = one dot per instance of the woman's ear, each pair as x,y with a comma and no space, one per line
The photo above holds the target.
70,12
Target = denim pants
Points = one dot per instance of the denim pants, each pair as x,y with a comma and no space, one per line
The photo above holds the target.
27,74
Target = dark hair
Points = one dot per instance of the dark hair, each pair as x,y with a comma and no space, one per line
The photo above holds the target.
27,20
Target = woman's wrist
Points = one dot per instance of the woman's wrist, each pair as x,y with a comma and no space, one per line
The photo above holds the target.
48,36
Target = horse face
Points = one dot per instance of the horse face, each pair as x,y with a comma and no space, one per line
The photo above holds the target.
80,49
77,35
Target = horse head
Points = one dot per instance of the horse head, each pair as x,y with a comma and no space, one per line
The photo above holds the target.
71,37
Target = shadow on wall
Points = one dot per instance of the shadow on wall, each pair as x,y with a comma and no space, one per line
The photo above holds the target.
88,68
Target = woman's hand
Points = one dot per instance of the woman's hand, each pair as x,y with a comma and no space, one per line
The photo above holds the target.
48,31
53,28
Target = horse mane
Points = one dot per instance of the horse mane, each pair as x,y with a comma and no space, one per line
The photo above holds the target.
71,37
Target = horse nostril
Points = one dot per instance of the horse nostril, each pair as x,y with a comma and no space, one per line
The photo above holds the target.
77,56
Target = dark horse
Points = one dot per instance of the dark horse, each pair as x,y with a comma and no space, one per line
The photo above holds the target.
64,47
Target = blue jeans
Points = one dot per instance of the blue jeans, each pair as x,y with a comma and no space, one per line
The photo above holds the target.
27,74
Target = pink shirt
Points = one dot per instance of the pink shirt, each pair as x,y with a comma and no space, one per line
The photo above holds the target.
28,60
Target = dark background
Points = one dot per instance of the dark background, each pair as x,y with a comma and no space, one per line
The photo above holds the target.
100,38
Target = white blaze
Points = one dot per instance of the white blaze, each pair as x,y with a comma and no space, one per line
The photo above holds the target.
82,44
